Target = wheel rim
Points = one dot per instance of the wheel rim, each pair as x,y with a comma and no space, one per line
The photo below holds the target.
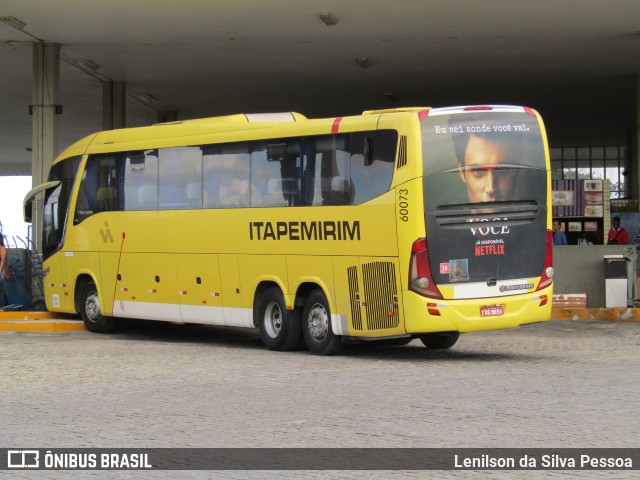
92,307
318,322
273,319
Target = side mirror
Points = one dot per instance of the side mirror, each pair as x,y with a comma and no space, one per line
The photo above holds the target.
27,203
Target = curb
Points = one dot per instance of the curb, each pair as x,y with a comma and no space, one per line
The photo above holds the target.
601,314
38,322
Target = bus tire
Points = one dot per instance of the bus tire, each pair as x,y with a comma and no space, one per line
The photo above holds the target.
440,340
91,314
279,327
316,326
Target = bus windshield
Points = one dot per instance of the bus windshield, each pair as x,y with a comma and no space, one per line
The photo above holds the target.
56,204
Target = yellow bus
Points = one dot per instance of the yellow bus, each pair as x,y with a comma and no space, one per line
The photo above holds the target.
386,226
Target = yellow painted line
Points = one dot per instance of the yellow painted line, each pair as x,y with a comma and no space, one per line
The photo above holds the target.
607,314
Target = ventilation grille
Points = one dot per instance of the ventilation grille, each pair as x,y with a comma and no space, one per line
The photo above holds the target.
381,295
354,298
502,214
402,152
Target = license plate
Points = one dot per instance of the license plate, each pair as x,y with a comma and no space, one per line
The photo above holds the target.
492,311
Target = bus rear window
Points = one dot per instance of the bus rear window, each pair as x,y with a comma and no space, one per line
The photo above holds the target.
447,138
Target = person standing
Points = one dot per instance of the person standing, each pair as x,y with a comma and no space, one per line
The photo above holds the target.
3,265
559,238
617,235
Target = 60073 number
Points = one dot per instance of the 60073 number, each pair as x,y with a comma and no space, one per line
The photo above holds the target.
403,204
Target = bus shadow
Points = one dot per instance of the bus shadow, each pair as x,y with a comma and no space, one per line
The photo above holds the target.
243,338
189,333
417,352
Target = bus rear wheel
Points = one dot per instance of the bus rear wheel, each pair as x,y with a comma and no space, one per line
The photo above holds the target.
316,326
440,340
91,314
279,327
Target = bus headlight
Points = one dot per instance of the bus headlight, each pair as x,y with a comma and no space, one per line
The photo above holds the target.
549,272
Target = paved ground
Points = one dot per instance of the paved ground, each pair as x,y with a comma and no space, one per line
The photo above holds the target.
557,384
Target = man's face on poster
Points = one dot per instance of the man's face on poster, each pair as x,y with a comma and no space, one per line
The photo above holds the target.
485,180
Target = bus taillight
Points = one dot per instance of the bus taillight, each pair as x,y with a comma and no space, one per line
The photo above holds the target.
547,270
420,279
478,108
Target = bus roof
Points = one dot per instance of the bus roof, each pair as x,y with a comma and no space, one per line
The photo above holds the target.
224,128
278,117
229,128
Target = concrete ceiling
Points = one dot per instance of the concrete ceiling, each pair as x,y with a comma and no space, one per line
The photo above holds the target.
575,61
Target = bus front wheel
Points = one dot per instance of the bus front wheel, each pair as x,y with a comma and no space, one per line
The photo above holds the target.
316,326
279,327
90,311
440,340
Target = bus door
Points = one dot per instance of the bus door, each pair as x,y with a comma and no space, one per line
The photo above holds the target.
56,276
54,221
199,289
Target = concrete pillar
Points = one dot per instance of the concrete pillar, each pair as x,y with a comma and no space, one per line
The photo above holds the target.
634,154
114,105
46,80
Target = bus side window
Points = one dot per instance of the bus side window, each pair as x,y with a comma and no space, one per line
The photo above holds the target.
263,169
309,192
226,175
349,169
141,180
180,167
336,172
98,187
340,190
147,197
106,198
322,163
372,162
275,172
274,194
290,174
211,175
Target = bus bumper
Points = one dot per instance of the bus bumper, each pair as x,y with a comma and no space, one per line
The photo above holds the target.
424,315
